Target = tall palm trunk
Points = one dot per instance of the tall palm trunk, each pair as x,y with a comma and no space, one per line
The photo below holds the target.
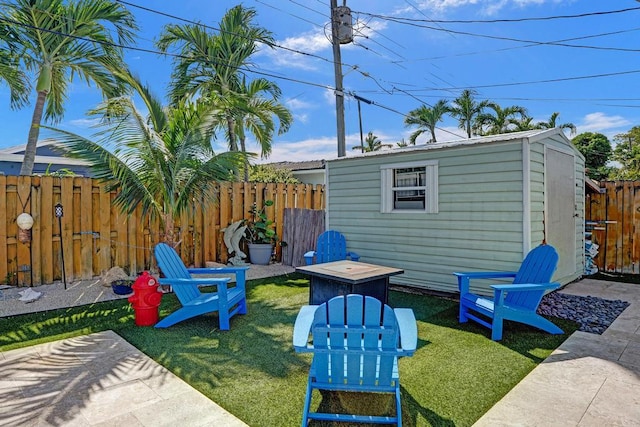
169,230
233,144
34,133
243,148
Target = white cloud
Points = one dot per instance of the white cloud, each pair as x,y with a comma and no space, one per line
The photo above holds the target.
84,123
487,7
296,104
309,42
599,122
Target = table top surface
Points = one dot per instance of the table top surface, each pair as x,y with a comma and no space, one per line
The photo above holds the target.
349,271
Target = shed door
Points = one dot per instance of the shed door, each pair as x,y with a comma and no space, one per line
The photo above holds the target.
561,209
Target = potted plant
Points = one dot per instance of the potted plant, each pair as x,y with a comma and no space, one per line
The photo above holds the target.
260,235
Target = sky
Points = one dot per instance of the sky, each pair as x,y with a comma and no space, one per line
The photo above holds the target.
532,53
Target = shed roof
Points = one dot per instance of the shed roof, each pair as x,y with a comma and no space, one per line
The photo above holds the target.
528,136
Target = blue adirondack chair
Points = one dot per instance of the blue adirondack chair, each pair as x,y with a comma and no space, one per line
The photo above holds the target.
356,342
227,301
517,301
330,246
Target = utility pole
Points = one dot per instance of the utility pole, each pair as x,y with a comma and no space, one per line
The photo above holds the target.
338,21
359,98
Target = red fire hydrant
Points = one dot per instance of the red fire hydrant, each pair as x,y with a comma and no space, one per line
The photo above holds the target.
145,299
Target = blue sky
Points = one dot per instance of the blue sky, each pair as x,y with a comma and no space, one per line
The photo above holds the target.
407,52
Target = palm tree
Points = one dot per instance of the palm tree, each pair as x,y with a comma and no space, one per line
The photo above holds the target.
371,143
258,116
210,66
10,70
522,124
500,120
426,118
403,144
59,40
465,109
162,162
551,123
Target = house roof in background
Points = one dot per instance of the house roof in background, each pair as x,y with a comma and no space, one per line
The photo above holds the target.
47,154
299,166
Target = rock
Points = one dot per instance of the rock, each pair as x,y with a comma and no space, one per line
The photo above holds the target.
114,273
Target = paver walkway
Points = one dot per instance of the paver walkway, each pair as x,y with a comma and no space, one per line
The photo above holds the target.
590,380
98,380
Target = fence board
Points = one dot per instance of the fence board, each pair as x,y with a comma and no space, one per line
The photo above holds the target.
45,220
302,228
66,247
616,214
36,233
96,236
4,258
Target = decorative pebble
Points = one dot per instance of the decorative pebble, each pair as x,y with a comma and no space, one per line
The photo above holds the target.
593,314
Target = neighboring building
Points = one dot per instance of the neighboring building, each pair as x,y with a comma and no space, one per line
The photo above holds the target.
47,160
476,204
309,172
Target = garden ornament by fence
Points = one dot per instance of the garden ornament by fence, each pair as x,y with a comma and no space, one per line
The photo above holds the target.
232,236
59,212
24,222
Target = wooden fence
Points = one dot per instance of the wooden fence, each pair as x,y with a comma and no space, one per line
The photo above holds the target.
94,236
613,217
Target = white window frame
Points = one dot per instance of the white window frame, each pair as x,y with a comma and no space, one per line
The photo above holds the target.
430,187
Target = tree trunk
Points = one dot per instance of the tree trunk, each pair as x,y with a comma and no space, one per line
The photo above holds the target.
243,148
233,144
169,230
34,133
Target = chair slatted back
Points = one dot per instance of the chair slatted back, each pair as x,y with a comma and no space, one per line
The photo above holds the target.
331,246
355,340
172,267
538,267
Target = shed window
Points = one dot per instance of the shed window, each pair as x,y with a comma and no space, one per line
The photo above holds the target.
410,187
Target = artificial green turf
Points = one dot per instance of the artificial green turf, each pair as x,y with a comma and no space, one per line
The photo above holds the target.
454,377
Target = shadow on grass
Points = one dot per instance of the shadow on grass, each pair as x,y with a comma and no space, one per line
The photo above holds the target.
524,339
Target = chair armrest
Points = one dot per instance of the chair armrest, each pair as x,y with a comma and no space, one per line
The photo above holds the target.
208,281
465,277
308,257
500,291
526,287
302,328
240,273
408,330
487,274
354,256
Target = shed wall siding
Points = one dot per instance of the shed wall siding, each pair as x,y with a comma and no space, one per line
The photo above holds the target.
485,209
479,225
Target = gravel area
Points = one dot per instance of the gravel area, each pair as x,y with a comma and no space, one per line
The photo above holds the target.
83,292
594,314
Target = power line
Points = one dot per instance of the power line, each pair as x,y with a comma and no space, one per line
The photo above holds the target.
178,18
524,46
513,39
493,21
563,79
175,55
290,14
